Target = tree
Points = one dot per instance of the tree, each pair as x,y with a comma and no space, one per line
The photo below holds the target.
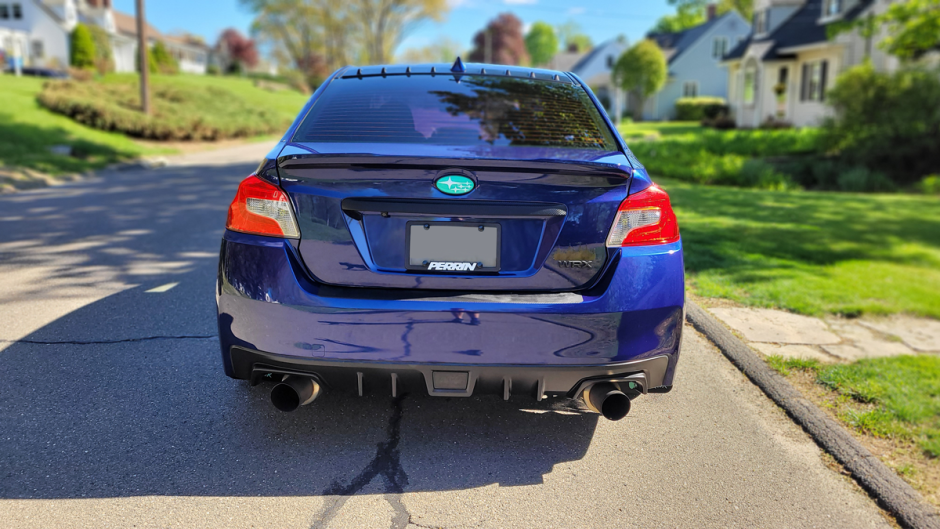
311,36
573,37
579,43
641,70
161,60
501,42
744,7
541,43
83,47
687,16
104,60
236,49
321,35
912,28
444,49
384,23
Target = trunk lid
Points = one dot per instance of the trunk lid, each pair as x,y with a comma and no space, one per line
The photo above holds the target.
365,219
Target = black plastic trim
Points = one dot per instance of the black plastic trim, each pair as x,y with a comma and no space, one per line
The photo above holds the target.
354,207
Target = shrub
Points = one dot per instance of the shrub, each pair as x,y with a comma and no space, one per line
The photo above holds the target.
887,122
204,113
82,47
720,123
930,185
864,180
213,69
104,58
699,108
162,60
81,75
761,174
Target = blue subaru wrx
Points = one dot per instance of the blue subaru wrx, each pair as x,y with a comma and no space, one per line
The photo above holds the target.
461,230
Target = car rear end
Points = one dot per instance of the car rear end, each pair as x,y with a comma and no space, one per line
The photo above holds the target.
459,233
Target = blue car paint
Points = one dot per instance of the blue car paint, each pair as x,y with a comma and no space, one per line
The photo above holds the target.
263,286
269,301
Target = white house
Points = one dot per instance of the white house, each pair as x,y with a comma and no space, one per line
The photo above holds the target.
783,70
594,68
694,59
38,32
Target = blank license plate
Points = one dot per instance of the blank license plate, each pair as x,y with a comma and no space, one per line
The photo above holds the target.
453,247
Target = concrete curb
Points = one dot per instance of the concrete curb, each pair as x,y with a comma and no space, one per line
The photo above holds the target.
883,483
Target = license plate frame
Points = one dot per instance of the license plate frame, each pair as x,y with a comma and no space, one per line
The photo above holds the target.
493,261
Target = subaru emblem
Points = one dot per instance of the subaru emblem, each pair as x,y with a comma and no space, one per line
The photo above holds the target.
454,184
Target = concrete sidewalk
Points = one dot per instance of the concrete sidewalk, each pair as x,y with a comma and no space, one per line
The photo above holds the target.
833,339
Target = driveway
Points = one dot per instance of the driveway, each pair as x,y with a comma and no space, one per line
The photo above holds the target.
114,410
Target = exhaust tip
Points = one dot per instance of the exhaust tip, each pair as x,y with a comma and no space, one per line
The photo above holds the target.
294,392
609,401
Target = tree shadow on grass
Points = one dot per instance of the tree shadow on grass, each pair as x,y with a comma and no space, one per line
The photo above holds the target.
26,146
745,231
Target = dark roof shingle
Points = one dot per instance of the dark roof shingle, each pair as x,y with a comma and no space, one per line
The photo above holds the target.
676,43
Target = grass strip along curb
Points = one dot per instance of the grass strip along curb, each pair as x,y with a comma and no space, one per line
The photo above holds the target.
893,493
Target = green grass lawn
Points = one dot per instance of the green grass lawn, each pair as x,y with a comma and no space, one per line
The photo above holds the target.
657,129
811,252
287,103
27,130
903,393
688,152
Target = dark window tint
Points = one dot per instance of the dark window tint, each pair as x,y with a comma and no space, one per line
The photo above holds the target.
478,110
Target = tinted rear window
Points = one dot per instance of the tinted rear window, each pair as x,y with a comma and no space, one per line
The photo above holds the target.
478,110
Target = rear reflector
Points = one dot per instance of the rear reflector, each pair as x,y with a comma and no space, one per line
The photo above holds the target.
643,219
262,208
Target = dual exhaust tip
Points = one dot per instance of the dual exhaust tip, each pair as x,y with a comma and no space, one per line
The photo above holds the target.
295,391
606,399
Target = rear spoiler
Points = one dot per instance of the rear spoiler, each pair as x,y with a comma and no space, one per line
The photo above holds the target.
297,158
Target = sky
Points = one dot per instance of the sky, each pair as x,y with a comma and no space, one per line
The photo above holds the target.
600,19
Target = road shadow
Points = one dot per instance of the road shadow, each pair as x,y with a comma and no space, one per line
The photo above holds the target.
157,416
126,396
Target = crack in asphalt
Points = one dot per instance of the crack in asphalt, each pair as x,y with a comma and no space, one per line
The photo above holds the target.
105,342
386,463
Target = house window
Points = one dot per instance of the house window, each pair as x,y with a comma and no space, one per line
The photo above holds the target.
38,51
760,22
690,89
831,8
813,84
610,61
17,11
750,84
719,47
4,12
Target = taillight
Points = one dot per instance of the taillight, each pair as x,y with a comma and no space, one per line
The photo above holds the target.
261,208
644,218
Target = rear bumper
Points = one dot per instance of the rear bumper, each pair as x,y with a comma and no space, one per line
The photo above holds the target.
271,314
451,380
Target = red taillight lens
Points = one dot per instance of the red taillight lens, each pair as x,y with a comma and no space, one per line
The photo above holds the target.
644,218
262,209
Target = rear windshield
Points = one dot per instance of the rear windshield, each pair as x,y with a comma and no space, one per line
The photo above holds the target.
440,110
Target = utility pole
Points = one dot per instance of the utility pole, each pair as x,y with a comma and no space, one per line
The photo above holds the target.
488,47
143,56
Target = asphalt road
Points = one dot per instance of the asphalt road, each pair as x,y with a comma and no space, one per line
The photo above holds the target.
114,410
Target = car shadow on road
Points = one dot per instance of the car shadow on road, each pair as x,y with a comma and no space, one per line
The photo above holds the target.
153,414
